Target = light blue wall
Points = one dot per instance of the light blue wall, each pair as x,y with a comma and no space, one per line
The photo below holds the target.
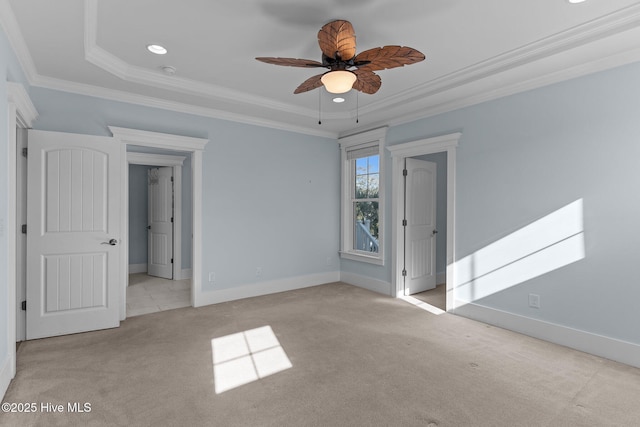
138,214
525,156
9,71
270,197
274,204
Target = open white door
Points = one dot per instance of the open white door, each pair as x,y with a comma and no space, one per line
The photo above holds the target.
73,236
160,245
420,232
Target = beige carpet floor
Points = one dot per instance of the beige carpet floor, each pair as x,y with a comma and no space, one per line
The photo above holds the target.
338,356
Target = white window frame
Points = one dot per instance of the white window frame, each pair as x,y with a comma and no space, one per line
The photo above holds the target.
350,143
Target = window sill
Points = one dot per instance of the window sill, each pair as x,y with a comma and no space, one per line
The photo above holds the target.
357,256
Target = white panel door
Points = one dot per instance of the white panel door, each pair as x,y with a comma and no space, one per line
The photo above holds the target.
73,235
420,240
160,245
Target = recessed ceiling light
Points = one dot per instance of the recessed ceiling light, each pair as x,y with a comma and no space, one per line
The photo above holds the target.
157,49
338,100
576,1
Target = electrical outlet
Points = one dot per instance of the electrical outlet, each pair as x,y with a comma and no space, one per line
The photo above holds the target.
258,271
328,262
212,277
534,300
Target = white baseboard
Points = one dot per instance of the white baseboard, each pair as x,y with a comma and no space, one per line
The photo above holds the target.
265,288
375,285
137,268
186,273
609,348
441,278
5,376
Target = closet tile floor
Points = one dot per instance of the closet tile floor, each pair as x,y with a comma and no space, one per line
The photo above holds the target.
148,294
436,297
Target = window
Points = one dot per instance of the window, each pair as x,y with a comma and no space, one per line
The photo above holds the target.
362,197
365,202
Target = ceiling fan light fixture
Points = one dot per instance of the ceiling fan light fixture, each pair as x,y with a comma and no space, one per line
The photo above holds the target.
339,81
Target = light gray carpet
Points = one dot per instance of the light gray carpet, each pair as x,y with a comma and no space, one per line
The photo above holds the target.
358,359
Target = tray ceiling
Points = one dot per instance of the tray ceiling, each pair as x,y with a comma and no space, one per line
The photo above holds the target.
475,51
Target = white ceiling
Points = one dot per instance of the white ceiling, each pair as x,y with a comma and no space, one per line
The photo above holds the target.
476,51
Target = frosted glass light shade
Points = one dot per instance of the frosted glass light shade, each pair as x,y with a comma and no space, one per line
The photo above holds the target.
339,81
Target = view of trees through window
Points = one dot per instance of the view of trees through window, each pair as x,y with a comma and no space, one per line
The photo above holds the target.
367,186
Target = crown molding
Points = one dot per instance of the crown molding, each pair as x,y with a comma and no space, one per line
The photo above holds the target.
27,113
417,110
599,28
147,101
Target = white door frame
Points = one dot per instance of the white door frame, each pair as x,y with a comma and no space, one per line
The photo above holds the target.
445,143
176,163
167,142
21,113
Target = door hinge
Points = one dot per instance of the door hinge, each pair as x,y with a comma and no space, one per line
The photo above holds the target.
24,228
24,305
172,219
405,172
25,152
171,260
171,179
404,222
404,273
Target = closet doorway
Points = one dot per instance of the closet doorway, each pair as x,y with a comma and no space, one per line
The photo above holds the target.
157,280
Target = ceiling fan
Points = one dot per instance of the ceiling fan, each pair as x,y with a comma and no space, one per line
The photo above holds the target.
347,70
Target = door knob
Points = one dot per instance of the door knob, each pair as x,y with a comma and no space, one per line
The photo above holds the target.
434,232
111,242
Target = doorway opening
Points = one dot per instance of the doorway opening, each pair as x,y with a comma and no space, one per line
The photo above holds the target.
168,144
446,145
425,232
158,249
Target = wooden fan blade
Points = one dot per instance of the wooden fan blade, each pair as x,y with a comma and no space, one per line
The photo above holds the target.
382,58
338,39
291,62
309,84
367,82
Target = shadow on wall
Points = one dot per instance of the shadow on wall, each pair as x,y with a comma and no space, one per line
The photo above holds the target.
547,244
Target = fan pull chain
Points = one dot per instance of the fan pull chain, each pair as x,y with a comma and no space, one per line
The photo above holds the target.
320,106
357,107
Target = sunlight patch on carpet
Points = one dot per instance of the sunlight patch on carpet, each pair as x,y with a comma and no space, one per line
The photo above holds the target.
248,356
423,305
